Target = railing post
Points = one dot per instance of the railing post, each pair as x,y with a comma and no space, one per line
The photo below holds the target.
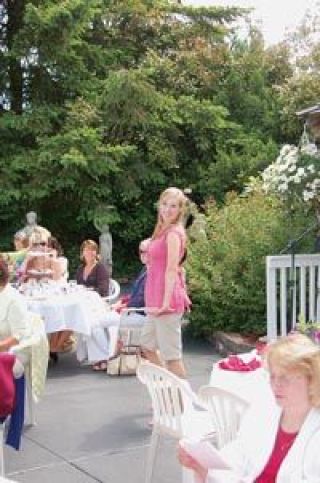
305,301
271,301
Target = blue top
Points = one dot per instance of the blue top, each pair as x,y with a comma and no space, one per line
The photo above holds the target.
137,291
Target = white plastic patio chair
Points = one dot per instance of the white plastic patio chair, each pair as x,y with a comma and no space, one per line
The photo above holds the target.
2,428
5,480
114,291
226,410
35,364
131,323
2,443
177,411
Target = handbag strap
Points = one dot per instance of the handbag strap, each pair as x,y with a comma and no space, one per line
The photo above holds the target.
130,349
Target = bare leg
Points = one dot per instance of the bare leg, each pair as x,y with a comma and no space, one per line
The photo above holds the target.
58,340
177,367
152,356
53,338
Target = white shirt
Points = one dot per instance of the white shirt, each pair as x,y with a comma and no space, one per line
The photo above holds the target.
14,315
250,452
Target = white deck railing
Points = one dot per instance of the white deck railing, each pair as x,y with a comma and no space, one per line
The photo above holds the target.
302,284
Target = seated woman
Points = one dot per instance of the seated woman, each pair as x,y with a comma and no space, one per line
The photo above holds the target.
40,263
279,438
20,241
14,316
61,341
134,318
55,251
92,273
118,315
16,258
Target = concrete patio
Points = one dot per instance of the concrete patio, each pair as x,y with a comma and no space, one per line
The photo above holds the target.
94,428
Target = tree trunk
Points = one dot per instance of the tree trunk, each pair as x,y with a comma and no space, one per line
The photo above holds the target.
15,10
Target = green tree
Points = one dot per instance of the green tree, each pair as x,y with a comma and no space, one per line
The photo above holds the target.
84,121
107,102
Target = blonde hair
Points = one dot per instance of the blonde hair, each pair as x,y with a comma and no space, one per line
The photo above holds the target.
92,245
297,352
22,237
182,200
39,235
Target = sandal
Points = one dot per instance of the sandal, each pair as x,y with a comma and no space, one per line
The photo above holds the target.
100,366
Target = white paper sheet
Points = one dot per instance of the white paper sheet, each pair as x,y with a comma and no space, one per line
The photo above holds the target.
206,454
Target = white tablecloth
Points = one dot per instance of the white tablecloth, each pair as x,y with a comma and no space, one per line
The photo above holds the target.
250,386
80,311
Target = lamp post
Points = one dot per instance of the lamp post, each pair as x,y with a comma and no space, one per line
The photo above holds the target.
311,116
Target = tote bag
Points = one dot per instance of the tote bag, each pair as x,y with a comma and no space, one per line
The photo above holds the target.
125,363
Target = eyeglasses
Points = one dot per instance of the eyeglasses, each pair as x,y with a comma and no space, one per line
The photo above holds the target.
284,380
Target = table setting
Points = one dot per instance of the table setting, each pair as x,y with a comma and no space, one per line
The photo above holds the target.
242,374
64,306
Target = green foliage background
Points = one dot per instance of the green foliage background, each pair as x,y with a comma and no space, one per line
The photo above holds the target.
108,102
227,270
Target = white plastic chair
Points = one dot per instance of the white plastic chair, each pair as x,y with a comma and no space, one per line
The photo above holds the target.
2,428
177,411
5,480
2,443
114,291
35,363
226,410
130,326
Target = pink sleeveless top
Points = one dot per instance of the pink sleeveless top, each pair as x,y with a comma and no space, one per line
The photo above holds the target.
156,267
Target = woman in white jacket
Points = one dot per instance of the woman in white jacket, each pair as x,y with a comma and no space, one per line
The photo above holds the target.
279,440
14,316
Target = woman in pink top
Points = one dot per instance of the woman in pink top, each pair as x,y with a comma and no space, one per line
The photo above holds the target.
165,292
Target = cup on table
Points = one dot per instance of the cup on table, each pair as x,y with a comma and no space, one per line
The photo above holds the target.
72,285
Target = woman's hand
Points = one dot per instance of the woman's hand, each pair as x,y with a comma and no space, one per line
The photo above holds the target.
160,311
189,462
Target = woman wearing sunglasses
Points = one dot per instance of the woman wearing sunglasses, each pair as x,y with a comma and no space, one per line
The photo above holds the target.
39,264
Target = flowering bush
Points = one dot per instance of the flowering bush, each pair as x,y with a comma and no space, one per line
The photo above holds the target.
294,174
311,329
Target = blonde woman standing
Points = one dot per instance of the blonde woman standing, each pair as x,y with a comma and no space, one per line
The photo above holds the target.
165,292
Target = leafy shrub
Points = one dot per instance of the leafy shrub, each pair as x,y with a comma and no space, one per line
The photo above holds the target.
226,271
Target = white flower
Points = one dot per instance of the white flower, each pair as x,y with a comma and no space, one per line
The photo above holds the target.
309,148
296,179
292,168
311,168
291,175
307,195
283,187
301,172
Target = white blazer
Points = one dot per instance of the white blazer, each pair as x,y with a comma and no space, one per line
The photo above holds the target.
14,316
250,452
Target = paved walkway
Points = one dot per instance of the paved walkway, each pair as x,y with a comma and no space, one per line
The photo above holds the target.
93,428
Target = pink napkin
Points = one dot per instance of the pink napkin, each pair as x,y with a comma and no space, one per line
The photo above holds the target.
235,363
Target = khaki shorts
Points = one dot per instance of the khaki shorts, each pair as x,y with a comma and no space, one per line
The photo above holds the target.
164,333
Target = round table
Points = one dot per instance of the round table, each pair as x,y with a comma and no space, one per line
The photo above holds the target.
79,311
250,386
